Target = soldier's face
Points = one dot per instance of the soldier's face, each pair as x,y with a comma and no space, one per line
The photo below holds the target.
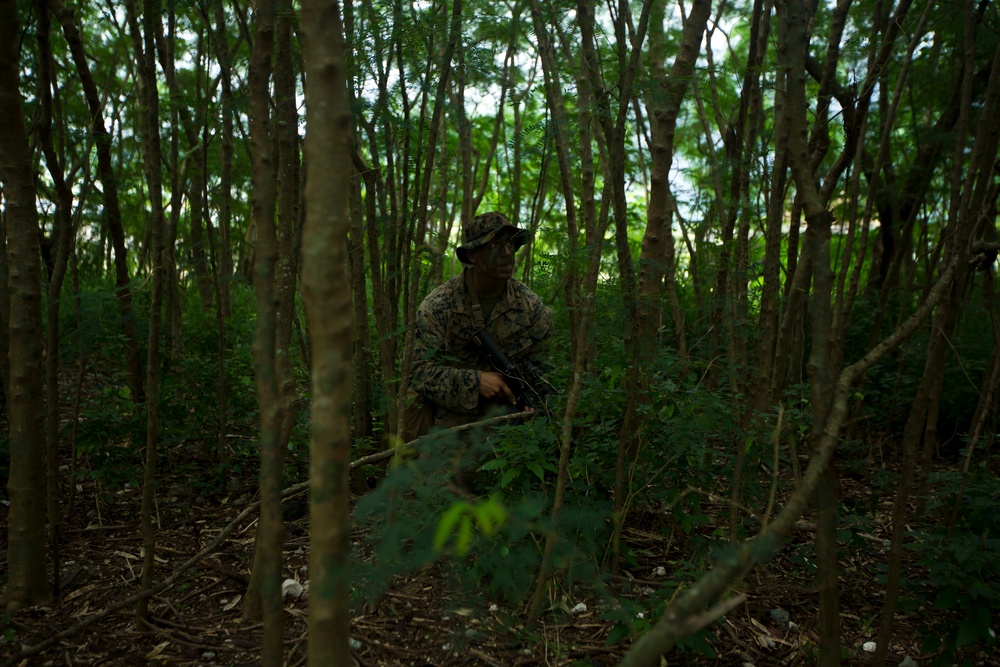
496,258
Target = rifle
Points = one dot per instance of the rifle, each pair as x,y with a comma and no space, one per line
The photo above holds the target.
526,382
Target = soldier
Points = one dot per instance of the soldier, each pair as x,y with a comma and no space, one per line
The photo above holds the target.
452,376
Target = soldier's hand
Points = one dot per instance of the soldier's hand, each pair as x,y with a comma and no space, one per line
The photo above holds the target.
491,385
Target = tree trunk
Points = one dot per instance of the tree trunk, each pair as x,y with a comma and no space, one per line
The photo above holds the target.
361,421
556,106
144,45
227,104
328,308
63,231
793,45
664,104
26,559
270,529
109,187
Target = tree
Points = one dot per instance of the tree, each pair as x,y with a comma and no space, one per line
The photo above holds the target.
26,557
328,309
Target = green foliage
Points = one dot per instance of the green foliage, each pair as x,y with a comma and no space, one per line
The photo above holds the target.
111,429
957,586
463,517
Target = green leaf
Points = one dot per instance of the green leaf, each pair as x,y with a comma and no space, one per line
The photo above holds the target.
974,627
508,476
494,464
447,523
537,469
464,538
618,633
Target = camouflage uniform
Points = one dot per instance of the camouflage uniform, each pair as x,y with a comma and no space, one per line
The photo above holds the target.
447,364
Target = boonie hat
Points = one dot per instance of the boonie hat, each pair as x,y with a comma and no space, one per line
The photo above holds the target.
481,229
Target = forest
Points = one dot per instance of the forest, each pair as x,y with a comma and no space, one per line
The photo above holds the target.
766,231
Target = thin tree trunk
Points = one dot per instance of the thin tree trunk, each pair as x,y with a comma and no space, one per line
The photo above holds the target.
109,187
664,104
144,45
328,307
227,104
270,529
361,421
63,231
793,44
556,105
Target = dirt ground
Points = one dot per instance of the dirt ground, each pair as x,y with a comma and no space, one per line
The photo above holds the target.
422,620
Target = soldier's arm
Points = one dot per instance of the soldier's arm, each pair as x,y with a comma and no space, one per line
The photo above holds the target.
435,374
529,334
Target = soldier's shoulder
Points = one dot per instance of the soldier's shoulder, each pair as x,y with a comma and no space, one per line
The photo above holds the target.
525,294
444,297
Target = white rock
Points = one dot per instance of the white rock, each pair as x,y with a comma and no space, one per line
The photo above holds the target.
208,655
660,571
446,647
648,591
304,570
494,608
291,589
355,644
578,609
869,647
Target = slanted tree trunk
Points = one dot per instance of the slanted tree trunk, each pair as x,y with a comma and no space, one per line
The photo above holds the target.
685,615
26,559
109,188
328,309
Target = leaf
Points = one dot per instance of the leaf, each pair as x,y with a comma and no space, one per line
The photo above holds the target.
537,469
618,633
508,476
448,522
974,627
494,464
464,538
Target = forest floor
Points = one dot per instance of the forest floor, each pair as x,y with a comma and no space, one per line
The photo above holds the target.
421,620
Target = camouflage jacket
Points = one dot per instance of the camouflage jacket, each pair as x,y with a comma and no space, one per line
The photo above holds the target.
446,361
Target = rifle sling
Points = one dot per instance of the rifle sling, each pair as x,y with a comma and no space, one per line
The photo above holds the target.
478,320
